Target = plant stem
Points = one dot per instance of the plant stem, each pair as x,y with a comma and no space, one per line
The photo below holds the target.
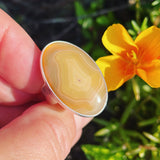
127,111
138,14
148,122
155,100
136,89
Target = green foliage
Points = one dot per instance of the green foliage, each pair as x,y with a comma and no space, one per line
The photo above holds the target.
94,152
136,29
93,24
81,13
105,20
133,131
155,13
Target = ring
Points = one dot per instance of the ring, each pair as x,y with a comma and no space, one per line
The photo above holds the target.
72,79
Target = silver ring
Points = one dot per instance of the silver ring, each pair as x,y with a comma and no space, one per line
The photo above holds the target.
72,79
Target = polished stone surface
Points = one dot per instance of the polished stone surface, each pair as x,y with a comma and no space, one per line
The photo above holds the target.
74,77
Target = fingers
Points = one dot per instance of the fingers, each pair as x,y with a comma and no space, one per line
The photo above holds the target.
43,132
7,114
10,96
19,57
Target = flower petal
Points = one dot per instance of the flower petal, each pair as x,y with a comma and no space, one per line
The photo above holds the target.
151,74
116,71
117,40
148,43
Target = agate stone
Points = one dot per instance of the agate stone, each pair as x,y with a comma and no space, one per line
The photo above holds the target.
74,78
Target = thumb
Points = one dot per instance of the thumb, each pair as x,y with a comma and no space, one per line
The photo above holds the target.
43,132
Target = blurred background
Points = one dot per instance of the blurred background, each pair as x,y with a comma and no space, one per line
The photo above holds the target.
129,128
74,21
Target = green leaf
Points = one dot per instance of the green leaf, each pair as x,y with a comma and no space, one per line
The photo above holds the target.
147,122
133,152
132,32
146,88
101,122
87,23
136,89
151,137
94,5
102,20
137,135
80,11
81,16
102,132
156,2
144,24
135,26
107,130
106,20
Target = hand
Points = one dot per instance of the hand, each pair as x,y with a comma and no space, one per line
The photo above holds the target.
31,129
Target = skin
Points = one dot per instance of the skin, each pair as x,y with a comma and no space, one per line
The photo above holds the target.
30,128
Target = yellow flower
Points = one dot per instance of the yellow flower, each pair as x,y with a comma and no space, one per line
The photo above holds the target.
129,58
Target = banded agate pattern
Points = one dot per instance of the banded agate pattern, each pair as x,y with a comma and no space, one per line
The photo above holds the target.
74,78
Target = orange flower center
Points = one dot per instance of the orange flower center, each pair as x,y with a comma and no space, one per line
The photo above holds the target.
132,57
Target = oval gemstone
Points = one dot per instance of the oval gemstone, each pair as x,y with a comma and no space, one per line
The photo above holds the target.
74,77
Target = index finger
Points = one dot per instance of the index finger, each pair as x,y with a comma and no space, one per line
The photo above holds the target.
19,57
